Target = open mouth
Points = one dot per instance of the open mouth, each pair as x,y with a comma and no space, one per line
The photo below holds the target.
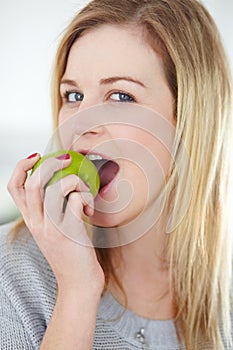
107,168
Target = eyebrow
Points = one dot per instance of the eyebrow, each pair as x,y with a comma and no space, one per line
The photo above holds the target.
68,81
117,78
106,81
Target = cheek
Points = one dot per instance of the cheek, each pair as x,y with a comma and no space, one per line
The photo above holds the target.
66,127
64,114
136,145
162,155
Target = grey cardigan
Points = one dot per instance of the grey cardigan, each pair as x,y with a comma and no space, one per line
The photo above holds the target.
27,299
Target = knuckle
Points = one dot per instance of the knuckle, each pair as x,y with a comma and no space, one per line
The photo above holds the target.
74,197
12,187
69,182
9,187
75,201
70,179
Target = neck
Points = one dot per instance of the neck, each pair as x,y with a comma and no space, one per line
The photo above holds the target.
142,270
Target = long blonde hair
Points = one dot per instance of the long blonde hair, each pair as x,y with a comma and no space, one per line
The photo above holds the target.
199,248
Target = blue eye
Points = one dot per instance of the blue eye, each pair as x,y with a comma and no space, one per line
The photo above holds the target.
122,97
72,96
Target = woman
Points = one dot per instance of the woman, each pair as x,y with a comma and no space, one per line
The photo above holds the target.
166,57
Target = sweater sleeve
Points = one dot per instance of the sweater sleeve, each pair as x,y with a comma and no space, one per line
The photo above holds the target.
12,332
27,293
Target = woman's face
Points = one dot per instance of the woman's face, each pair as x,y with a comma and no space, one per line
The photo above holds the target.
115,65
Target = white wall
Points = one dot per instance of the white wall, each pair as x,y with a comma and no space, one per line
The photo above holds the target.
29,33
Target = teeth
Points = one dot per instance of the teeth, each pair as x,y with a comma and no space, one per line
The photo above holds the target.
93,157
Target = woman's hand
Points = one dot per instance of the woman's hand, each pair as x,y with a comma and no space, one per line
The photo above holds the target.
74,264
79,276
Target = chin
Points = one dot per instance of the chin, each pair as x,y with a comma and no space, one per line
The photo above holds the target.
106,221
111,220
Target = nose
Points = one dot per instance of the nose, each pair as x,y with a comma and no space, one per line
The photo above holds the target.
88,121
84,129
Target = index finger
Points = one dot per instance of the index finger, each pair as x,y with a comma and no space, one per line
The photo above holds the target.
19,176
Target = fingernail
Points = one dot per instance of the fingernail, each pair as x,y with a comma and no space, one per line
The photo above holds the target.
63,156
32,155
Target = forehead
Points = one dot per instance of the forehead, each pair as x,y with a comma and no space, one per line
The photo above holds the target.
112,49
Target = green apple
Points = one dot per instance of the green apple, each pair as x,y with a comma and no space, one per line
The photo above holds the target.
80,166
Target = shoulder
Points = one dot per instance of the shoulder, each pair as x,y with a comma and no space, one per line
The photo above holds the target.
26,279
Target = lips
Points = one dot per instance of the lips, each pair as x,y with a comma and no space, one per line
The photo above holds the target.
107,168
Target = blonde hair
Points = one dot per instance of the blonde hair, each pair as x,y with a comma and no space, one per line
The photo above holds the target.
199,249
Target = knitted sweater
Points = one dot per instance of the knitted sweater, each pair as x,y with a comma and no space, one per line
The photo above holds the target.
27,299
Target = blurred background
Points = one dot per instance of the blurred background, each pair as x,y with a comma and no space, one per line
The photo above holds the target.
29,34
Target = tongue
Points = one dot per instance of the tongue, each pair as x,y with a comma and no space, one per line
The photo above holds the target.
107,170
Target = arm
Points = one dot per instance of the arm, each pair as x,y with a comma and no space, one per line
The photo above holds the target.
79,276
72,325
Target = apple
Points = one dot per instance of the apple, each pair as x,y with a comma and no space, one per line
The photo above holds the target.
80,166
